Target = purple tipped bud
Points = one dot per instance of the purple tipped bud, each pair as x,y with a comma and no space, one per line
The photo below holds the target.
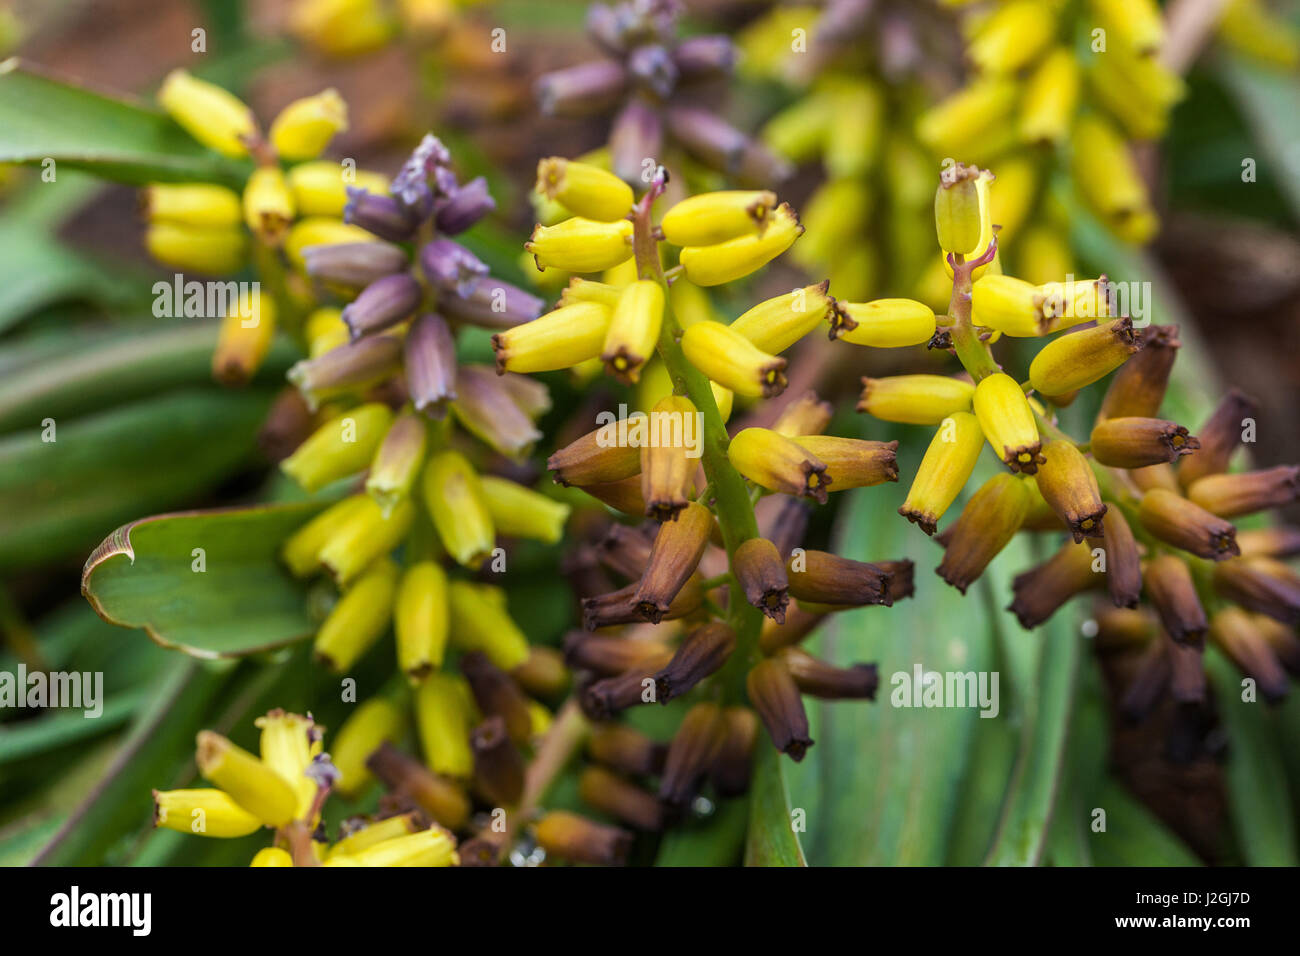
464,206
430,365
698,57
493,304
721,146
351,366
451,267
411,186
581,90
382,215
382,304
652,67
637,135
355,264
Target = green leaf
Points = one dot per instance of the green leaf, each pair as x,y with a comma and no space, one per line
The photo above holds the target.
1259,798
1270,98
142,576
59,496
1134,836
62,727
1027,813
771,839
42,118
90,372
882,784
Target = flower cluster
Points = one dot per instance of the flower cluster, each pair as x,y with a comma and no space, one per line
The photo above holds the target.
646,79
1138,526
661,635
1082,77
285,788
344,28
291,199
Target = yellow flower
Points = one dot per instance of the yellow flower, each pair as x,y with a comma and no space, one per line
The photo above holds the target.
776,324
944,470
519,512
915,399
377,720
1008,422
212,115
244,338
304,127
633,329
584,190
206,812
342,446
252,784
731,360
360,617
268,204
732,259
563,338
202,205
710,218
888,323
443,709
581,245
454,496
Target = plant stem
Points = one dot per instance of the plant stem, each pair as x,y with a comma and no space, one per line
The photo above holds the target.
973,354
731,501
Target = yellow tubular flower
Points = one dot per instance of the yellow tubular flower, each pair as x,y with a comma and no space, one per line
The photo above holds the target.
589,290
958,124
480,622
986,230
710,218
519,512
777,463
341,27
454,496
1138,91
1008,305
272,856
359,618
581,245
888,323
731,360
443,718
321,231
213,116
342,446
944,470
1250,28
1108,179
1012,36
957,214
397,461
320,186
1137,23
215,251
268,204
633,329
364,536
377,720
244,339
1008,422
376,832
420,619
776,324
730,260
1081,358
305,127
568,336
432,847
205,812
690,304
915,399
301,552
1067,304
252,784
584,190
202,205
288,745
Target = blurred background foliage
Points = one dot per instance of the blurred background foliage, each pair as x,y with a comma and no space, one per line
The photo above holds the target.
143,430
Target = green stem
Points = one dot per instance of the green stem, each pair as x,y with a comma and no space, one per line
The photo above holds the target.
731,501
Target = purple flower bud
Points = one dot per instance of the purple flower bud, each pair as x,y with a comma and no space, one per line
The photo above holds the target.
451,267
721,146
493,305
652,67
581,90
463,206
355,264
486,407
699,57
354,365
411,186
382,215
430,365
382,304
605,27
637,135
